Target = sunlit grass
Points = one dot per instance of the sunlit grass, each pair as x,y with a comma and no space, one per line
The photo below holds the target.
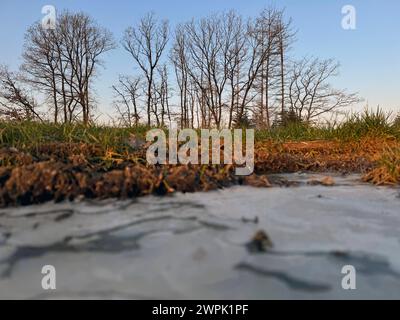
368,123
387,171
27,135
23,135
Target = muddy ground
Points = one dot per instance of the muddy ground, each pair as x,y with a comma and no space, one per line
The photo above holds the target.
69,171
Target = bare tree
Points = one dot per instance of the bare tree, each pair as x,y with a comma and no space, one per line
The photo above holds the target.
285,35
162,91
62,63
256,54
84,43
260,47
146,43
310,94
179,60
41,63
127,94
267,27
223,58
237,55
205,48
15,102
214,52
229,72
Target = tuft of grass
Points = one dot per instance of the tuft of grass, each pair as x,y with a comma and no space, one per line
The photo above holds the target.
387,171
369,123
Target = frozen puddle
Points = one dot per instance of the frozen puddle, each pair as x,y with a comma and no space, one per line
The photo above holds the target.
194,245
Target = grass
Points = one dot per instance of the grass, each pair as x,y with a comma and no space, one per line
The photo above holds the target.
44,161
387,171
356,126
372,123
26,135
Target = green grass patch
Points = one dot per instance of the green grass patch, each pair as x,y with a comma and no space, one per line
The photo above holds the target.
27,135
23,135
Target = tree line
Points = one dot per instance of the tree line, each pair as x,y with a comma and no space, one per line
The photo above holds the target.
223,70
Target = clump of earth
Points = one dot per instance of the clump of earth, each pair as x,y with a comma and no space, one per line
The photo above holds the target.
70,171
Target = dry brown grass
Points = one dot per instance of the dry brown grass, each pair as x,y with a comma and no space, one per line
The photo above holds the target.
76,170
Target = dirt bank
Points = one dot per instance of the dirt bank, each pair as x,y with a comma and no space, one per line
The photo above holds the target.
72,171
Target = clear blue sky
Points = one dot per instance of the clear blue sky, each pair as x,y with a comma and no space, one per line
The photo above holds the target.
369,55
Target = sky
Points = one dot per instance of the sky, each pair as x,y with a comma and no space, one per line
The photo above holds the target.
369,55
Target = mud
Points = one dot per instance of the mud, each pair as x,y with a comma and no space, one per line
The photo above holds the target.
72,171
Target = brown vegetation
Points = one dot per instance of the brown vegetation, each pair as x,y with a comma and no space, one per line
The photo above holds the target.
75,170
